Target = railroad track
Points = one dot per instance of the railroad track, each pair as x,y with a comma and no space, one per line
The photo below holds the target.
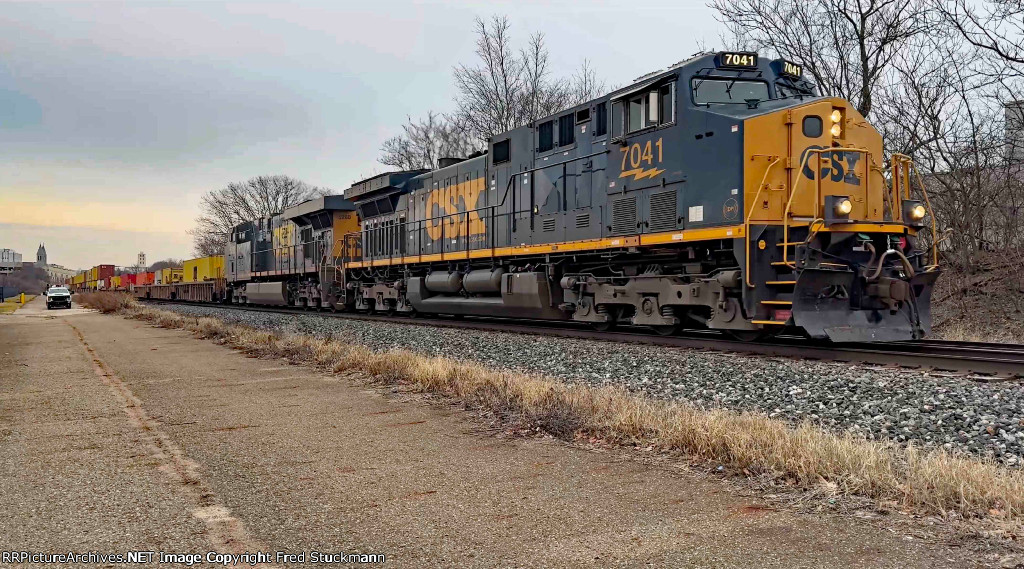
977,361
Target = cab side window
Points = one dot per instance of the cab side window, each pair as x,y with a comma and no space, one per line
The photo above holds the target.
651,108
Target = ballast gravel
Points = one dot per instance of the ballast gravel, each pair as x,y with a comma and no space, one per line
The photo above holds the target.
985,419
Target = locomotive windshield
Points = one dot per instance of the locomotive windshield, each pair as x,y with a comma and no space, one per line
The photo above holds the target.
708,91
787,92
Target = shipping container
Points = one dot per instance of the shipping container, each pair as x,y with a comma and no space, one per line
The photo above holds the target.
204,269
115,282
128,279
105,272
170,275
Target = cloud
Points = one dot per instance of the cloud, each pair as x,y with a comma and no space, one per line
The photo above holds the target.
116,116
132,216
84,247
18,110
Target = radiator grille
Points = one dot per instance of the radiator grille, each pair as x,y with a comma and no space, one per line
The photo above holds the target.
624,215
663,210
582,220
548,224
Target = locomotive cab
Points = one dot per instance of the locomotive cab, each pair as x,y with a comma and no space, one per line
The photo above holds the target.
830,248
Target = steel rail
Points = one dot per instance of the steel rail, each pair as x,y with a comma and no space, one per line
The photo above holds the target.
977,360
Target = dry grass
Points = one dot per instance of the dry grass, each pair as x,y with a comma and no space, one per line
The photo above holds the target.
931,481
105,302
9,305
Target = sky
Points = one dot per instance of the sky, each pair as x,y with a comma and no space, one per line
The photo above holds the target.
116,117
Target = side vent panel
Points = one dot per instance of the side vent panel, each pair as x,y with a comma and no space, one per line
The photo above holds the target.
548,224
582,220
663,210
624,215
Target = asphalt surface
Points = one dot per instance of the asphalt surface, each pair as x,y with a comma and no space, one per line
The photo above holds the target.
117,436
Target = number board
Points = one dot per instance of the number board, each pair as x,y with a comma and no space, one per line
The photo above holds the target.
790,69
737,60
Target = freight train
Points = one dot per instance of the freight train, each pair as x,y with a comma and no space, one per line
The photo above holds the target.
720,193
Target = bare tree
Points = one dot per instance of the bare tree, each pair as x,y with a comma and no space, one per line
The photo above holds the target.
262,196
734,38
585,85
176,263
503,90
941,104
846,45
506,90
424,141
995,26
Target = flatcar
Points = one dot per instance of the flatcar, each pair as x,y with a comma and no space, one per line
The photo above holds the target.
720,193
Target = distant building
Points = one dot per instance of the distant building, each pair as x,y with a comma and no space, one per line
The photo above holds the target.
1013,115
58,274
10,260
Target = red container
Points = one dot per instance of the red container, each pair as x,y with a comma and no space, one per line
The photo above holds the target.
144,279
105,272
127,279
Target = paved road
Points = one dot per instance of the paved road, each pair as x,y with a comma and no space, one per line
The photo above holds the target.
117,436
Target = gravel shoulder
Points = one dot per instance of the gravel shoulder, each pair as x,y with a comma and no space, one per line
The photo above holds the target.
983,419
305,461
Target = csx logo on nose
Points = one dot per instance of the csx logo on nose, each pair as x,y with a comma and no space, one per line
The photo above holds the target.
837,165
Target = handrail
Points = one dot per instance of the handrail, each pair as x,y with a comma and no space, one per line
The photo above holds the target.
817,196
928,203
792,194
421,223
746,221
493,209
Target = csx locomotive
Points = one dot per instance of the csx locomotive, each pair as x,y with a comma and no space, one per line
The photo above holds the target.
721,193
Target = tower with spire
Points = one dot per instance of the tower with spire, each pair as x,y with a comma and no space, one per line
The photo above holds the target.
41,256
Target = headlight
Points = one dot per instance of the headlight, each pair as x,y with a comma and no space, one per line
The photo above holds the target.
918,212
837,129
837,116
844,207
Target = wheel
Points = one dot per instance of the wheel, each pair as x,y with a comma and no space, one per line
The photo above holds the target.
390,310
334,308
613,317
666,330
371,307
603,326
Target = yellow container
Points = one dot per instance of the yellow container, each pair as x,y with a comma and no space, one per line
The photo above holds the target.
170,276
204,269
115,282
